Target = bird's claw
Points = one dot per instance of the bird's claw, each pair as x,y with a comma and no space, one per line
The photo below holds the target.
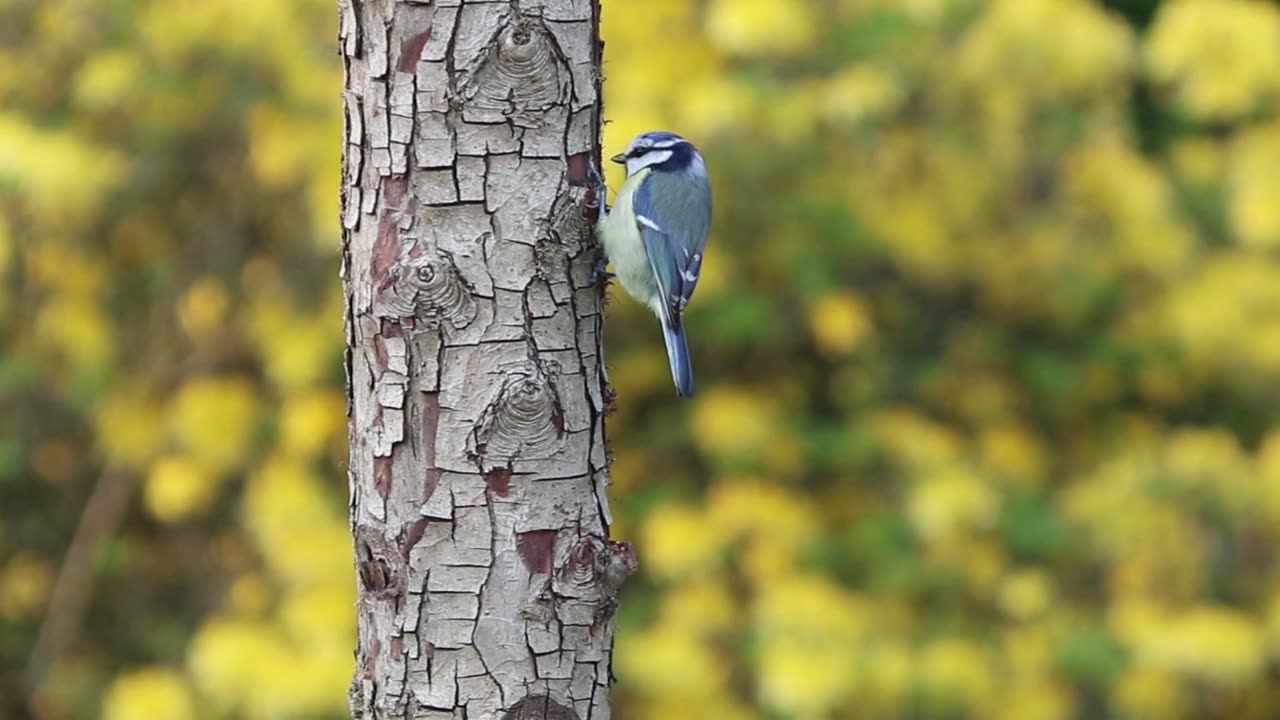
598,272
595,181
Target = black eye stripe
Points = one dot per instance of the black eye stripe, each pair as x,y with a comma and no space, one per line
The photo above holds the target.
646,149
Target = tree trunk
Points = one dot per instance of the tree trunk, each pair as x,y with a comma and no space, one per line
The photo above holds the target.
487,583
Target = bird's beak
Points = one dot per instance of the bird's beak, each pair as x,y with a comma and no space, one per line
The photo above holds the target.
620,158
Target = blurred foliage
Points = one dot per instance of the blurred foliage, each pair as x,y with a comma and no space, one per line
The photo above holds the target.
988,347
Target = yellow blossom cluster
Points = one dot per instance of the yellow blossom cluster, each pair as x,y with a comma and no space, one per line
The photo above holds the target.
168,195
987,344
986,423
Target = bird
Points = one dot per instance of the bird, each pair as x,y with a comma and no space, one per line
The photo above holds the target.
655,234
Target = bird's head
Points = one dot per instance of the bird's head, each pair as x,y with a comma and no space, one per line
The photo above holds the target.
662,151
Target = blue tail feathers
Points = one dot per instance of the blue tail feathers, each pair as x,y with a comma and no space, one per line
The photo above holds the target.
678,355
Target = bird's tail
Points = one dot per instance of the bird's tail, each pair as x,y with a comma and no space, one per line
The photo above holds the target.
678,356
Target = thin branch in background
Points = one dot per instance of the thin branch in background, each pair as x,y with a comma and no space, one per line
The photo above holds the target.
73,589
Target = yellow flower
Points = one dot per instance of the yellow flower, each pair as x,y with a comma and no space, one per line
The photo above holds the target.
763,27
889,673
956,673
676,541
1031,650
949,502
799,682
1269,472
66,270
700,606
175,29
106,79
629,27
1150,693
665,660
1219,56
1014,453
58,173
130,427
302,352
1025,594
250,667
228,659
308,545
25,582
214,419
915,441
859,92
203,307
313,420
177,487
77,329
808,630
1212,463
713,105
761,561
1215,644
1039,700
1118,186
1254,182
320,619
313,684
1046,47
148,694
739,505
1226,304
840,322
732,421
274,154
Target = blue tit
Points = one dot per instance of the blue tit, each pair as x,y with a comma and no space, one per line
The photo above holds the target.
656,231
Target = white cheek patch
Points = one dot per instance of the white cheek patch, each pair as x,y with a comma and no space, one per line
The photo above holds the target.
653,157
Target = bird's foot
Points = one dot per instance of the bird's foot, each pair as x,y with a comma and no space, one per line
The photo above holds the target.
598,273
597,191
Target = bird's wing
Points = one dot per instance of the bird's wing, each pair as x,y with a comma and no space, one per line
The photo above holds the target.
673,214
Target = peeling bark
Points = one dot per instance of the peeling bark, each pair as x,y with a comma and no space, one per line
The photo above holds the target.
487,582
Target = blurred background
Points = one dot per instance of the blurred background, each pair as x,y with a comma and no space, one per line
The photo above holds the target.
987,343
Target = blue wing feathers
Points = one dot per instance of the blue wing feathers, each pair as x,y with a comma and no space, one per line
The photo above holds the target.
678,356
676,212
679,204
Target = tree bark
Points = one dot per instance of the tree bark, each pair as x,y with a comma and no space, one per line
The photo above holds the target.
486,580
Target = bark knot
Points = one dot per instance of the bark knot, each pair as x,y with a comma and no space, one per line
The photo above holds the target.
524,421
429,288
520,75
590,567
